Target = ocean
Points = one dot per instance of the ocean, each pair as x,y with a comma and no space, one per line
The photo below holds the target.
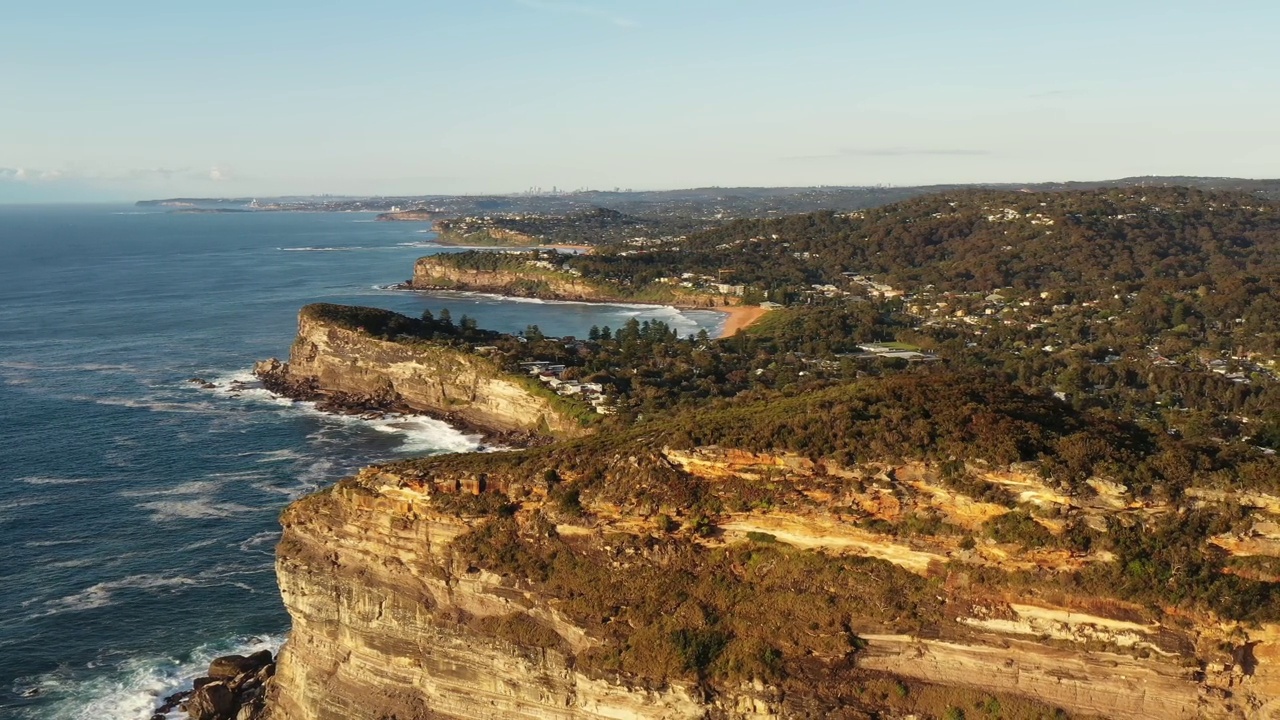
138,512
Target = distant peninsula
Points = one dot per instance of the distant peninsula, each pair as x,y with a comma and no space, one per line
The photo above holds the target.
418,215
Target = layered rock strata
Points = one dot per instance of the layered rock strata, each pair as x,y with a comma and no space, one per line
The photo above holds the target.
389,621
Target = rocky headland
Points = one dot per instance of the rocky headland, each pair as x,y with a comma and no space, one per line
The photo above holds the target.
409,216
344,368
650,574
439,272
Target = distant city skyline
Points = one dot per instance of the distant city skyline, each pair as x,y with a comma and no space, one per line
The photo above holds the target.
132,100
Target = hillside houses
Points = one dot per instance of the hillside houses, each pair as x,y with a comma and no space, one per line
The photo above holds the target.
550,374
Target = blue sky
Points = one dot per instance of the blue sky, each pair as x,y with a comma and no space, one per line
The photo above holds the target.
128,100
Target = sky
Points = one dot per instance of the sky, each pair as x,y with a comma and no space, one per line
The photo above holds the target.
127,100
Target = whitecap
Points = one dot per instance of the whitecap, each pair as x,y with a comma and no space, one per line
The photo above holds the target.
191,487
101,594
269,456
337,248
152,403
254,542
194,509
51,543
46,480
77,562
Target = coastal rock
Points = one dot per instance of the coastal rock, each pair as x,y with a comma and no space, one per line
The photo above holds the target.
229,666
235,688
214,701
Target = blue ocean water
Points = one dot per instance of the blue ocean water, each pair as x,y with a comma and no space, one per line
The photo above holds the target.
138,511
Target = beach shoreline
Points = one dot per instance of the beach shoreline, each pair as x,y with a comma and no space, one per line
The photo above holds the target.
740,317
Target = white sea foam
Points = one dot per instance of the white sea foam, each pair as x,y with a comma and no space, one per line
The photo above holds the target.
51,543
269,456
255,542
421,433
135,687
193,509
191,487
46,480
154,404
78,562
338,248
101,594
104,593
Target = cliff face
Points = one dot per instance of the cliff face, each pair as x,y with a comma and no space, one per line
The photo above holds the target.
328,359
430,273
392,619
382,626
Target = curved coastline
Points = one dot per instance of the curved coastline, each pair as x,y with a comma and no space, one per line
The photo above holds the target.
736,317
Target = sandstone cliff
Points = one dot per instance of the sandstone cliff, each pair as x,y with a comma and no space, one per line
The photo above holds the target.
649,573
436,273
332,361
399,611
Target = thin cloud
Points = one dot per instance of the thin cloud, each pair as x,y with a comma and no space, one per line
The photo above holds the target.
28,175
893,152
587,11
216,173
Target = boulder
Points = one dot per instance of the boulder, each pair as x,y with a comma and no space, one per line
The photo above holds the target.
229,666
212,702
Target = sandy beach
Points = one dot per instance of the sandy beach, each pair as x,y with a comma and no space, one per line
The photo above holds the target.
740,316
